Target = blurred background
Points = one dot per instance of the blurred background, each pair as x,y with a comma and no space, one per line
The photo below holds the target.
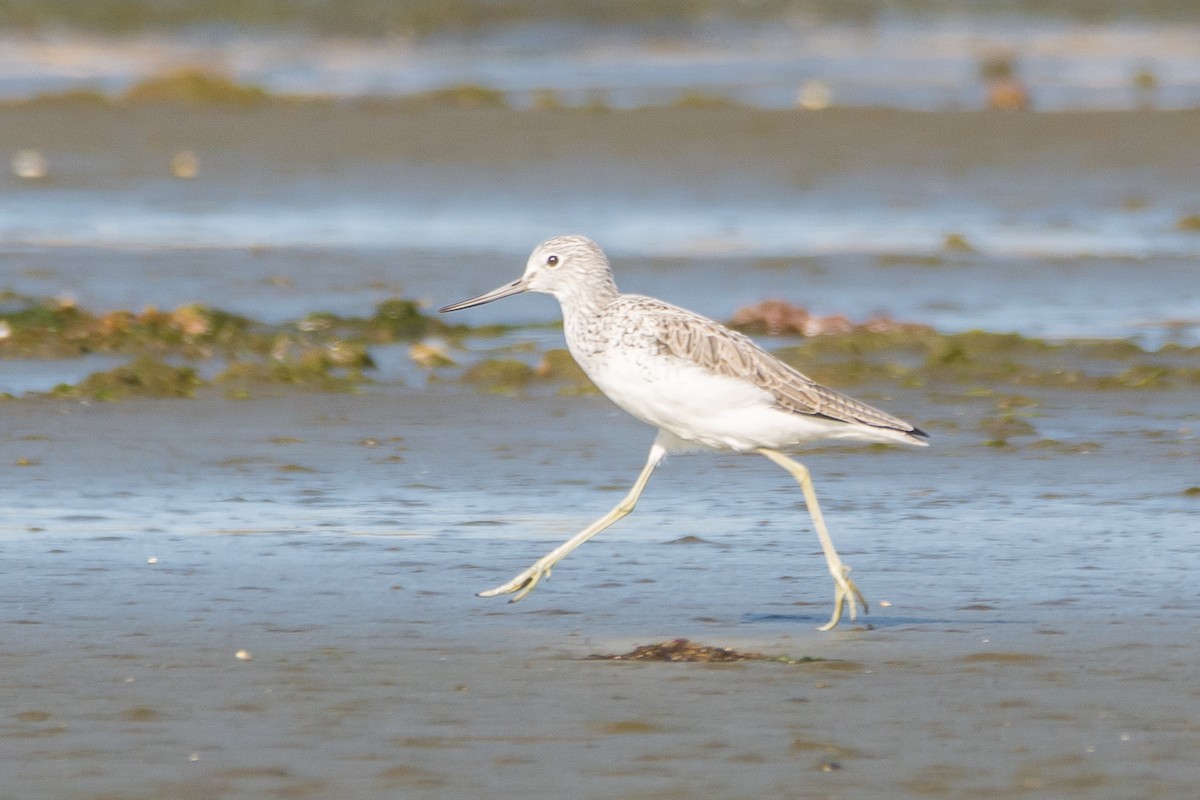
238,217
284,157
918,54
281,157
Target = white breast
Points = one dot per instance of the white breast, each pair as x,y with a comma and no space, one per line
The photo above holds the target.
712,411
689,402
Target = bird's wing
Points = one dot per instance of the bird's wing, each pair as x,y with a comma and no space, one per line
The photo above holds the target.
726,352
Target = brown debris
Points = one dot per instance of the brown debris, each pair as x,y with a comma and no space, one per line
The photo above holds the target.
1008,94
682,650
777,317
1005,91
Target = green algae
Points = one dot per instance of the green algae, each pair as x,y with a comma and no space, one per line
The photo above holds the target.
414,18
1064,448
144,377
313,368
1189,223
195,87
1151,376
69,97
511,376
461,96
1005,426
558,366
547,100
910,260
329,352
957,243
48,328
703,100
394,320
686,651
499,375
300,361
180,87
321,352
923,358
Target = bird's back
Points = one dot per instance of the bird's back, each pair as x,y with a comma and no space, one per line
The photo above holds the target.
698,379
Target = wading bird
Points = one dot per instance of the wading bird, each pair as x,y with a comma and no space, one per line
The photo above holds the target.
702,385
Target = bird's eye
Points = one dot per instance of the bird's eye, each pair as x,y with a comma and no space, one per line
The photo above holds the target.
551,261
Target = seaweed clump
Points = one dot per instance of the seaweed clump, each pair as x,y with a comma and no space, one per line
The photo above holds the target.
511,376
499,375
335,366
144,377
393,320
55,328
195,87
190,86
322,351
683,650
920,357
463,96
558,365
1189,223
776,317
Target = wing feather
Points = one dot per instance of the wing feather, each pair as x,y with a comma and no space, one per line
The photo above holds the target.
726,352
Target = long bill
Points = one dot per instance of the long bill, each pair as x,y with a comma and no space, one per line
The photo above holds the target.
507,290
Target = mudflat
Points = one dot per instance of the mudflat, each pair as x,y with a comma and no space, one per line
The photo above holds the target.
271,593
686,143
274,597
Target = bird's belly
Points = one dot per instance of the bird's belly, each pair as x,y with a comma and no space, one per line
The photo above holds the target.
695,405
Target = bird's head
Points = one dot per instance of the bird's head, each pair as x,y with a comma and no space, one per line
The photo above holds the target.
565,266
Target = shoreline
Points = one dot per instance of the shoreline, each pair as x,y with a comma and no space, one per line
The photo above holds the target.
1032,574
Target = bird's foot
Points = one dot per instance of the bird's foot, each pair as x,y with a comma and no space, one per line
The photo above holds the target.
522,584
846,593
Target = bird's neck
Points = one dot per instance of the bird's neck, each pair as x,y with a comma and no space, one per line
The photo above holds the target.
588,300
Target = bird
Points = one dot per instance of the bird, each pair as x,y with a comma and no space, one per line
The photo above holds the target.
702,385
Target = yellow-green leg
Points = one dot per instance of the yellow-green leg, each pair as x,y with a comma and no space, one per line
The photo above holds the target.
523,584
845,592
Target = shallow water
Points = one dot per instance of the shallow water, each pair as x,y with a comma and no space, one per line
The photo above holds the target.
1033,605
1034,632
1074,221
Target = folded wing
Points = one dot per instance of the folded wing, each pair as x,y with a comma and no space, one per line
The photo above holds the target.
726,352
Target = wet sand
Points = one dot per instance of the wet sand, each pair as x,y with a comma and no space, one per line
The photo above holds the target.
767,148
1039,636
1033,623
